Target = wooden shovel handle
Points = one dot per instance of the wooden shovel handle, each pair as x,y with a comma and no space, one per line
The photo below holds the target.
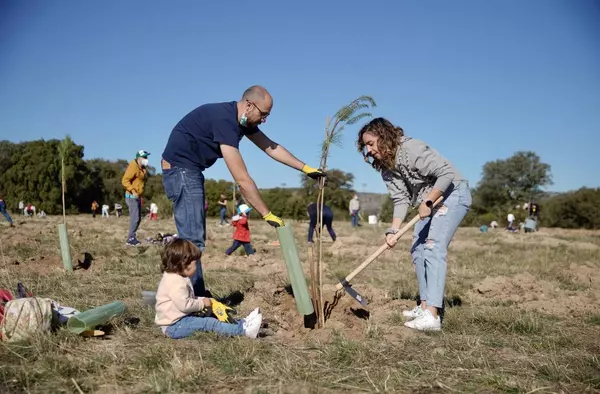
383,248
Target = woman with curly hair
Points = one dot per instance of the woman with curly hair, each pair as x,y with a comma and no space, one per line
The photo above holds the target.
416,174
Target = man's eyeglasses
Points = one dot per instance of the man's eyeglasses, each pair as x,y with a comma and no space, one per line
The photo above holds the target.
263,114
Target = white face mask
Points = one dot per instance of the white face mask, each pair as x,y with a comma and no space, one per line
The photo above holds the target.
144,162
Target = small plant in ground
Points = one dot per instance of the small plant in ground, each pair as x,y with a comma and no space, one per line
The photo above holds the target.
347,115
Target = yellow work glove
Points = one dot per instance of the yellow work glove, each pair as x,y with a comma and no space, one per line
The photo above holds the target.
222,311
273,220
314,173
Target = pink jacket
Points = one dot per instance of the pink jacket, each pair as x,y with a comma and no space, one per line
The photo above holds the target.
175,299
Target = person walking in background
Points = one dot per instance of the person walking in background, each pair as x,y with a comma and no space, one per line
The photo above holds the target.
416,174
511,220
314,220
241,235
134,181
153,211
4,212
105,208
22,207
118,210
354,208
29,210
223,210
94,208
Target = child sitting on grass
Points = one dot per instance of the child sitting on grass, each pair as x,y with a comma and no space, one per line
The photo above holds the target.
241,235
179,312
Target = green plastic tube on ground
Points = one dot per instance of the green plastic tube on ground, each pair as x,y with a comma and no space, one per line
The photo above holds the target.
65,249
91,318
294,269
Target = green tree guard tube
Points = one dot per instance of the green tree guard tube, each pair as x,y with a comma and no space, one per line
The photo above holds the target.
65,250
91,318
294,269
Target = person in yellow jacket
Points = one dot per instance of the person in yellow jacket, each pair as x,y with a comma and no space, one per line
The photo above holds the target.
134,181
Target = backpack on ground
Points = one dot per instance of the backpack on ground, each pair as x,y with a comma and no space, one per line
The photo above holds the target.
23,317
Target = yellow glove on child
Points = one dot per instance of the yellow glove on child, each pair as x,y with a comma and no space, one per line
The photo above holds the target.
222,311
313,173
273,220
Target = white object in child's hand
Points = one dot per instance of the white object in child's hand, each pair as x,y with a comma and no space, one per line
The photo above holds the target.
236,217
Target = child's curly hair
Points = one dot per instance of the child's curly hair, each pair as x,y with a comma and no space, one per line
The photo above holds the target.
388,143
178,254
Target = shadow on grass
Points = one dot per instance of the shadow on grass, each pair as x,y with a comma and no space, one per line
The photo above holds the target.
235,298
86,263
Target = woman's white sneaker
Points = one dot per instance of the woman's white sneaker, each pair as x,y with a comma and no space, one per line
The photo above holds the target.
252,326
426,322
414,313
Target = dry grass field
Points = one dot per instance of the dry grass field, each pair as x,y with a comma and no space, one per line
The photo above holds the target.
522,316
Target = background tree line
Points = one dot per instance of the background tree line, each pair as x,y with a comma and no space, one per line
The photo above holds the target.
30,172
510,183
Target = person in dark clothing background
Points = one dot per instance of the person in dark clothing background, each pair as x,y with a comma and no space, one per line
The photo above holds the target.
327,220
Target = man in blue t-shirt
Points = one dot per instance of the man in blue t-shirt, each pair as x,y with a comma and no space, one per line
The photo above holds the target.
206,134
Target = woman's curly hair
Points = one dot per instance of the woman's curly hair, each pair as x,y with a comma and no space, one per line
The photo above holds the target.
178,254
388,142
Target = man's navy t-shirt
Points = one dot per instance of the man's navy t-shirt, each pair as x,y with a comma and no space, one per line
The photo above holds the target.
195,141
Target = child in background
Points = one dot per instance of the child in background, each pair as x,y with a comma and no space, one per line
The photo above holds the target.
153,211
179,312
241,235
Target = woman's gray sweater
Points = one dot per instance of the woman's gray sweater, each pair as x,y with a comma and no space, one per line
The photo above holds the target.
419,168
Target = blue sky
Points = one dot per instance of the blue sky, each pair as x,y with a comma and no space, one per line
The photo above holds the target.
478,80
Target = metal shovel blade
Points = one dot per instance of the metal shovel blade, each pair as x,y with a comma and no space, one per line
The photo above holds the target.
353,293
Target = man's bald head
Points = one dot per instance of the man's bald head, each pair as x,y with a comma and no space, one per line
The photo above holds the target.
256,93
255,105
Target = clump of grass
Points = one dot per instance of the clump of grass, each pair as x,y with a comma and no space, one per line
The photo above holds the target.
594,319
239,357
396,319
502,320
343,351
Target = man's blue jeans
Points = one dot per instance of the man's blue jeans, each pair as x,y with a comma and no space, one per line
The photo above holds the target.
185,188
431,238
188,325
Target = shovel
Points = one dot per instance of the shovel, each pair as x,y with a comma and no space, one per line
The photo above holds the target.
345,283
